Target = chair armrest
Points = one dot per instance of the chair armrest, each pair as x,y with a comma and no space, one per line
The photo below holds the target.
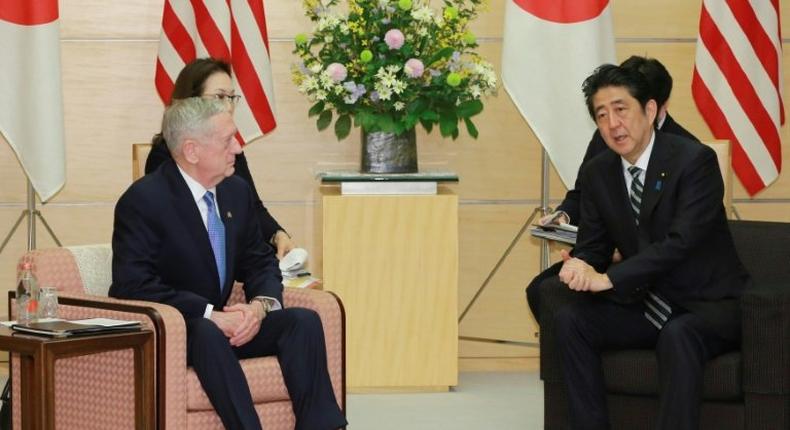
170,344
333,318
766,339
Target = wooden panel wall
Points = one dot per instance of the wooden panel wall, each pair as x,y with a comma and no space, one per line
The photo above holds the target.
109,50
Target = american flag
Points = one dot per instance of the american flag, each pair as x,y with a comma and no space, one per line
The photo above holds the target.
231,30
737,84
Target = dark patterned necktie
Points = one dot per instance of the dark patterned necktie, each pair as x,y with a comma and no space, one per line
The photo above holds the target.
657,310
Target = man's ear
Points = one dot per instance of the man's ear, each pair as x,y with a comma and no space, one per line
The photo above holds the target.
190,149
651,110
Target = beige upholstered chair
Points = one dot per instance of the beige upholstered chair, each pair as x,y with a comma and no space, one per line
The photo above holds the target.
96,392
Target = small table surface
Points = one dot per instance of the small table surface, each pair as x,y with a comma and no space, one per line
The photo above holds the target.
38,355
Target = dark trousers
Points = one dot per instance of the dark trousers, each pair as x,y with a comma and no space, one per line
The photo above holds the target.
534,288
296,337
682,347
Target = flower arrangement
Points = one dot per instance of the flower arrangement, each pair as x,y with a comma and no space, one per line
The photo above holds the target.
388,65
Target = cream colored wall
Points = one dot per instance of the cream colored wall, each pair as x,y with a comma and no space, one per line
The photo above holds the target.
108,53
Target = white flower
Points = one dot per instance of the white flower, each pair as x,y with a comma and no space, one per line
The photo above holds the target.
475,91
423,14
309,84
393,68
320,95
384,92
328,22
398,86
315,68
399,106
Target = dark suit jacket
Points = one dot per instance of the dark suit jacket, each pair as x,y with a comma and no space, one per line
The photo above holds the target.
572,203
682,248
159,154
162,253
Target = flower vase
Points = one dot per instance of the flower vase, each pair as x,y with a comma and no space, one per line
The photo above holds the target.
387,152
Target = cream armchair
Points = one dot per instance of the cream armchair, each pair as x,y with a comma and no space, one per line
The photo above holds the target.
96,392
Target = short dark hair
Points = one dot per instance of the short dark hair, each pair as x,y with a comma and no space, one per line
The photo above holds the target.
657,76
609,75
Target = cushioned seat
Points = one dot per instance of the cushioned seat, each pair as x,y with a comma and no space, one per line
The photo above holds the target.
95,392
746,389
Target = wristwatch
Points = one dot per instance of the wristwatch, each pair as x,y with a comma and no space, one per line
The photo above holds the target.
266,303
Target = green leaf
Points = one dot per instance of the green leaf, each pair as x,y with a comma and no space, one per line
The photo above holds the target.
470,128
430,115
448,124
316,109
427,125
416,107
343,126
440,55
384,122
469,108
324,120
410,120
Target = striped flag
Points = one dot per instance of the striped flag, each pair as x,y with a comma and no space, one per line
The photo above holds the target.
30,91
231,30
737,84
549,48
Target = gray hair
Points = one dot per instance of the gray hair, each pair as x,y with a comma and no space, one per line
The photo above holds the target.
189,118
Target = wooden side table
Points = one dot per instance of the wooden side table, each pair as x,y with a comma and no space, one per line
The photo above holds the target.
37,359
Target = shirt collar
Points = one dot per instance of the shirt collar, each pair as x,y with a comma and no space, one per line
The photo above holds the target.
643,159
197,190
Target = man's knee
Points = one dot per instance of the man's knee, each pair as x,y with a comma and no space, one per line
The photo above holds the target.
304,318
679,338
204,338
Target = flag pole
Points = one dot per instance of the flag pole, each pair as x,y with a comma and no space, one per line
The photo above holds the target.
30,212
543,209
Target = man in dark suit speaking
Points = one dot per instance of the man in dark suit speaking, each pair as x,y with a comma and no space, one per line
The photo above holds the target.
658,199
182,235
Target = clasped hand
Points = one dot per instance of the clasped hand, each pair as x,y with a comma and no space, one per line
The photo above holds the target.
240,322
580,276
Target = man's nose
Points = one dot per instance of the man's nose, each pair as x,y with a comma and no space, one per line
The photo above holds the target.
614,121
236,148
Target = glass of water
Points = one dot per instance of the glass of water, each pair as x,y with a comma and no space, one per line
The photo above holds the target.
48,302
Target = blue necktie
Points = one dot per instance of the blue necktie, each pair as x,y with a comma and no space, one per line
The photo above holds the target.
216,235
657,310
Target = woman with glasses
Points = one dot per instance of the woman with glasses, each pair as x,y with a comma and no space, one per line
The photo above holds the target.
208,77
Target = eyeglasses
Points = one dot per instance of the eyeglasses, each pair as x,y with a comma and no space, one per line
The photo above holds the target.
232,99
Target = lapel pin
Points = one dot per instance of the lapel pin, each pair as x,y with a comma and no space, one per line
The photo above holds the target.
230,215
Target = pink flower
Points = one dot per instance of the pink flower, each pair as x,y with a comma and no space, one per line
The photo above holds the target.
394,38
337,72
414,68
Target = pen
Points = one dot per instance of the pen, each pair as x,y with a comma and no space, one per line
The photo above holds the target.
302,274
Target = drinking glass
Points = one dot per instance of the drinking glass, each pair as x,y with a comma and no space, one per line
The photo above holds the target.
48,302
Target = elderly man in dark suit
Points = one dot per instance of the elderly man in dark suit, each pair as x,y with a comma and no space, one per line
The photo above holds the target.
660,84
658,199
182,235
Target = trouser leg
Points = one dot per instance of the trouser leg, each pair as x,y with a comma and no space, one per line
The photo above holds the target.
534,289
684,345
218,369
583,330
296,336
